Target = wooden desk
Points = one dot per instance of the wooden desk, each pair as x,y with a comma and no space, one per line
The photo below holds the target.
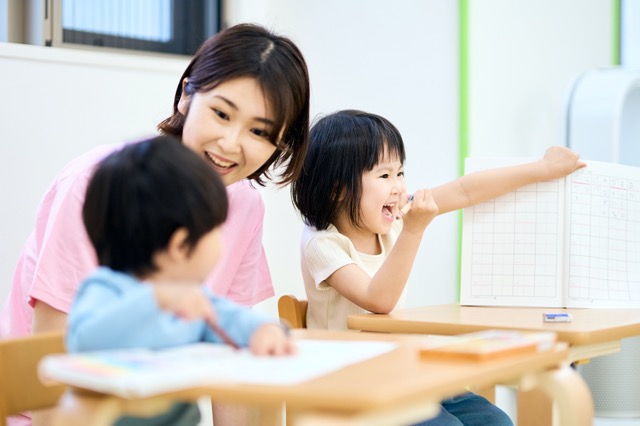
394,388
592,333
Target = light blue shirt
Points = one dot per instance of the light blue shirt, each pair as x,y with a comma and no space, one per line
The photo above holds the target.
114,310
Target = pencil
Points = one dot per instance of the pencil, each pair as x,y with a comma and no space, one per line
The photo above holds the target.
223,335
405,209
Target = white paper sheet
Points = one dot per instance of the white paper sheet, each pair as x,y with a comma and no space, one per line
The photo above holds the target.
139,373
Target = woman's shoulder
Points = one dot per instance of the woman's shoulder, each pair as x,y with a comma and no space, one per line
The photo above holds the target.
72,180
88,159
244,193
80,169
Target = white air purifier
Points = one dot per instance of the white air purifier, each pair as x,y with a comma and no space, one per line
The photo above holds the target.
603,116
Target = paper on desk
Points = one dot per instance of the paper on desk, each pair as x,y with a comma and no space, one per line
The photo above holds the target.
141,372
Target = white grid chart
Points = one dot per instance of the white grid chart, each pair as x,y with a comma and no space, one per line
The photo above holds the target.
515,247
604,252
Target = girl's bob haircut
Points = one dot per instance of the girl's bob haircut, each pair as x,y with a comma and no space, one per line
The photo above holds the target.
342,147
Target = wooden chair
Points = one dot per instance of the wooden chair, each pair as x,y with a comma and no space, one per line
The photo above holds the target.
20,387
293,311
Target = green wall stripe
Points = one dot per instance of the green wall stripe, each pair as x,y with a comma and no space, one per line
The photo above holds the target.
615,37
463,105
463,83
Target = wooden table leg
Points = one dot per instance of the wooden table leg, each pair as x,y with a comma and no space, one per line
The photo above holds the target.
488,392
535,408
566,388
263,416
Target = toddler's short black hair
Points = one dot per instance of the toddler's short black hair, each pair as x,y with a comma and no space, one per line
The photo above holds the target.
141,194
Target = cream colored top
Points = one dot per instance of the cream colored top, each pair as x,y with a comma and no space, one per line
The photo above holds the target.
323,253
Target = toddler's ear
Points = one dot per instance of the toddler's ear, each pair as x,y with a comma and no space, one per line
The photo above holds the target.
178,247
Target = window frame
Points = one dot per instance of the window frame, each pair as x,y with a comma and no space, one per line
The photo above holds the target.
181,42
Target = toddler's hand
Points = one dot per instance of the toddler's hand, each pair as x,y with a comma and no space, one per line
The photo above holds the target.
560,162
187,301
271,339
423,210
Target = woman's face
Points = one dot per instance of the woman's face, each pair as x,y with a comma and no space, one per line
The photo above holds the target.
229,126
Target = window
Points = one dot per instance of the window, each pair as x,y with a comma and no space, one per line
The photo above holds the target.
165,26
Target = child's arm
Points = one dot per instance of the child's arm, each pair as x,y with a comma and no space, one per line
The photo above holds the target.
262,334
106,316
114,310
484,185
243,326
380,293
185,300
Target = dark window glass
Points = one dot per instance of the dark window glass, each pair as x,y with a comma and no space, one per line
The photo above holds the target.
167,26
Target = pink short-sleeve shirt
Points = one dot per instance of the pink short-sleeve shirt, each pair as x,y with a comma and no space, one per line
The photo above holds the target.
58,254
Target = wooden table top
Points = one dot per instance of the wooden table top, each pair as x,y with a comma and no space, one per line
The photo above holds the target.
588,326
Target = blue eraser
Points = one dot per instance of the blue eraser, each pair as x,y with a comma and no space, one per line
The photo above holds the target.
553,317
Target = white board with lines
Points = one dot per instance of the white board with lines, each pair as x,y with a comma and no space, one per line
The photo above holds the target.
571,242
604,230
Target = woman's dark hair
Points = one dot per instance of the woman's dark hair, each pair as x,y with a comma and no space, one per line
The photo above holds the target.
342,147
141,194
247,50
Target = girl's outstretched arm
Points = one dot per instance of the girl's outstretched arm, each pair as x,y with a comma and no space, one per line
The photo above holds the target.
484,185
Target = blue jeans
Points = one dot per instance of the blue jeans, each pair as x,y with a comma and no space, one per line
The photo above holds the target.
469,409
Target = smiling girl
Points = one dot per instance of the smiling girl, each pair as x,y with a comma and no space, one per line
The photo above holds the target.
356,252
242,104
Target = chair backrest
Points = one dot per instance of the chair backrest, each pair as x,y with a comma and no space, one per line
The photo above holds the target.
20,387
293,311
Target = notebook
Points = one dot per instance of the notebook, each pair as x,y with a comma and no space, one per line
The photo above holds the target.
490,344
572,242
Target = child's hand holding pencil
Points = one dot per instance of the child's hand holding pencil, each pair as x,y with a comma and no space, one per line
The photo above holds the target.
189,302
421,207
404,210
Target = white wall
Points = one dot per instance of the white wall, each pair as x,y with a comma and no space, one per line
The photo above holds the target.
524,56
630,37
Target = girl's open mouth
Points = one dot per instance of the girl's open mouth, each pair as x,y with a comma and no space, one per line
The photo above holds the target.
387,211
